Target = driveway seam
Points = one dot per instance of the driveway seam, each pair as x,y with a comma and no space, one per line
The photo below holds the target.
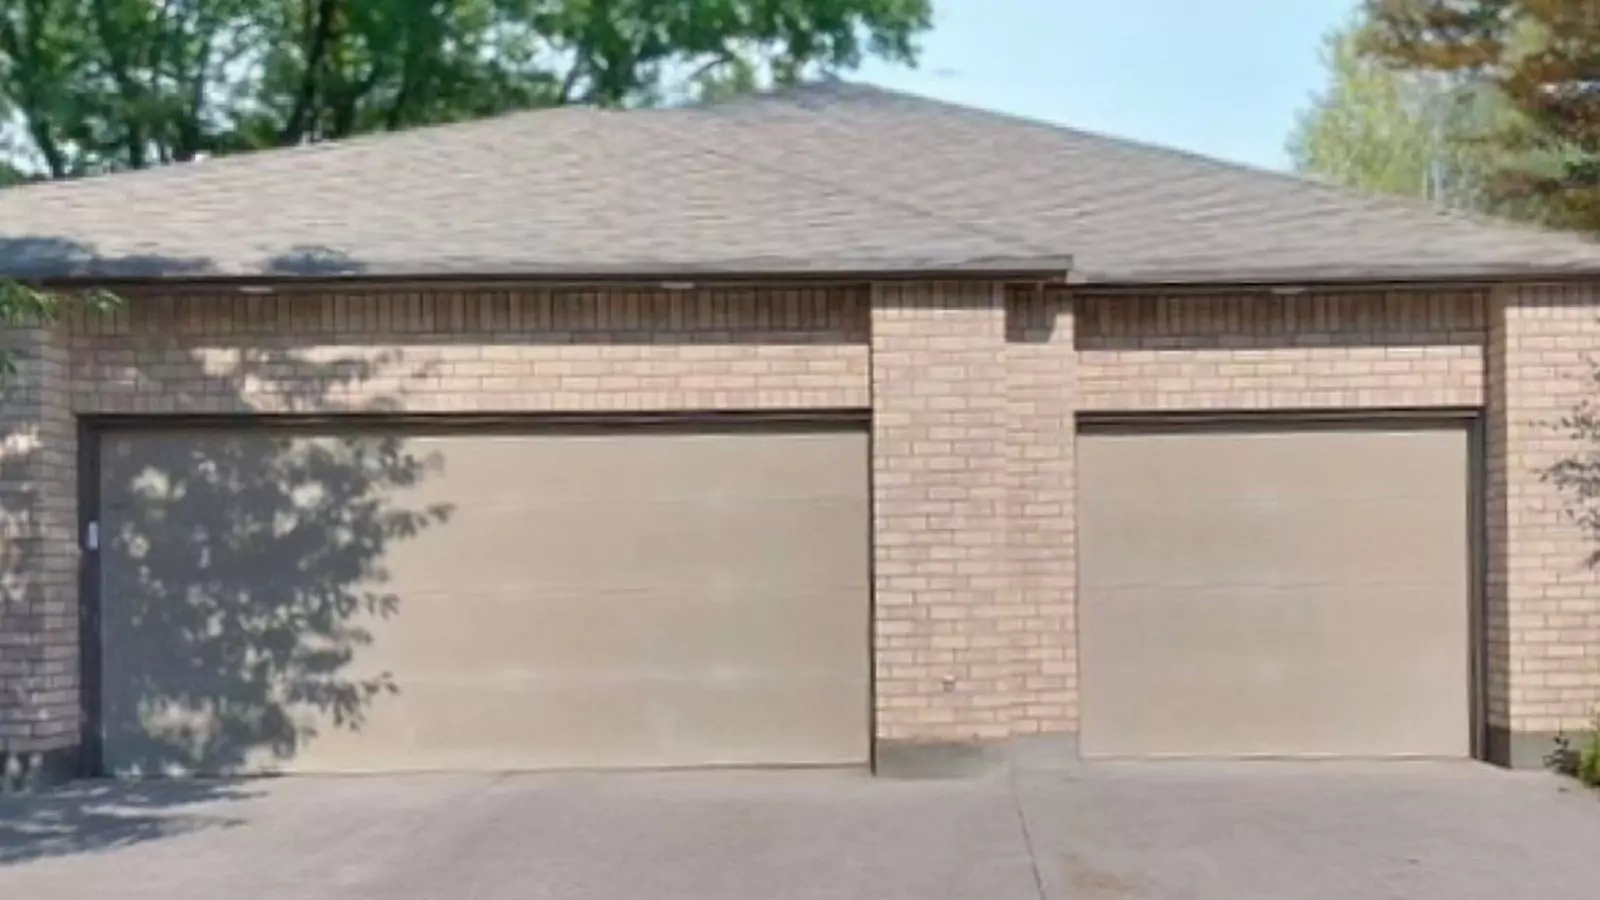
1027,837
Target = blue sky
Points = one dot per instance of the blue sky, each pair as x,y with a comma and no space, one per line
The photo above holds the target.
1220,77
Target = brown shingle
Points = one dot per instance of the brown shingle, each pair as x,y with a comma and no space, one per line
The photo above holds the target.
822,179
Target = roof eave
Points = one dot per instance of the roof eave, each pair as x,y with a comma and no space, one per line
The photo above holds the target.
1048,270
1332,276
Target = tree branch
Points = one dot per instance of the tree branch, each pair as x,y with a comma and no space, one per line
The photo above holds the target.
189,127
396,114
24,51
320,36
722,58
116,43
580,65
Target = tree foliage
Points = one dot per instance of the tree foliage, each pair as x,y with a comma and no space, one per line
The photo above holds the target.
1373,128
1440,136
1543,57
27,305
90,86
96,85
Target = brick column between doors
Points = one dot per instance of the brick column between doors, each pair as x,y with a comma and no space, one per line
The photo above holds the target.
949,675
1543,604
1039,614
39,701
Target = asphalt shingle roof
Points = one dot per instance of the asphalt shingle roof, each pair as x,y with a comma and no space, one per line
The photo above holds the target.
829,178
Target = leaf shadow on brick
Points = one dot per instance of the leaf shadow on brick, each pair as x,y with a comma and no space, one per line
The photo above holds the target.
242,577
38,668
1576,475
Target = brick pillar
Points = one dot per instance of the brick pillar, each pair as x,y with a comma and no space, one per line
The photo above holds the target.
945,683
1040,611
39,704
1543,604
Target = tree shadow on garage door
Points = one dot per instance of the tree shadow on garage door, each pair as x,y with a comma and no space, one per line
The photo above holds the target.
243,574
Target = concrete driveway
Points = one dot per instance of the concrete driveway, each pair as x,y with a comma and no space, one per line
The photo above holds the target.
1227,831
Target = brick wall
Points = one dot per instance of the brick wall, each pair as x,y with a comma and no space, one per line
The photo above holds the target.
39,708
939,488
1544,454
1259,351
974,393
530,351
1039,610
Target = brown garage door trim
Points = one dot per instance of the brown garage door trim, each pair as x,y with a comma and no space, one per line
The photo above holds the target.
93,429
1276,419
1468,418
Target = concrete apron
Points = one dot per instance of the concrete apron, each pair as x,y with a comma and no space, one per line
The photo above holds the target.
1060,752
20,771
976,759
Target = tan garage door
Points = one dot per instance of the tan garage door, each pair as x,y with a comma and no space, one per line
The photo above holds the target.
362,599
1293,591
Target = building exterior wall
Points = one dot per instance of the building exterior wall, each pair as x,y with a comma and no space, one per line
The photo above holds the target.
938,474
475,351
1260,351
39,700
974,390
1543,524
1040,609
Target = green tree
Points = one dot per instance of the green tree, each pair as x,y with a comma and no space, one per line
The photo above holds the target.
1370,129
11,175
1539,56
97,85
23,305
91,86
1425,134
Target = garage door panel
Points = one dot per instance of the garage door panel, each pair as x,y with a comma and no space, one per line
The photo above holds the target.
598,723
670,465
1373,463
574,723
1276,636
613,543
1275,592
677,631
377,600
1285,536
1275,671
